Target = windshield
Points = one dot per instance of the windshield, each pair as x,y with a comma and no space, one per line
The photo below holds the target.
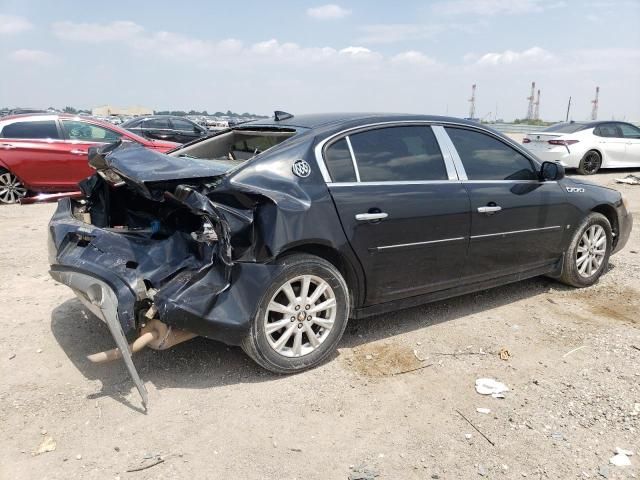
570,127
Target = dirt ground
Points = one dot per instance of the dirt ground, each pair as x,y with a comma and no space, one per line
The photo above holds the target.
573,374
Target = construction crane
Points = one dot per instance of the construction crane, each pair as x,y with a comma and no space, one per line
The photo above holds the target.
472,101
594,109
536,107
531,99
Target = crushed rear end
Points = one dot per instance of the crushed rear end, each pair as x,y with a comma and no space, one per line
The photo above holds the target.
149,253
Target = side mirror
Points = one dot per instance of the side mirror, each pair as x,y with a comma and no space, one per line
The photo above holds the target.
551,171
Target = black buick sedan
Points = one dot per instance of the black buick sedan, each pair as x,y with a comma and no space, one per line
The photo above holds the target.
272,234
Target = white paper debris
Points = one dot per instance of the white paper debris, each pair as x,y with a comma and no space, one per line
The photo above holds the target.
489,386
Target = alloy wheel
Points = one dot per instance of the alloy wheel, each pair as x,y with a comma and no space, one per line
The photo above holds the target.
591,162
11,189
300,316
591,250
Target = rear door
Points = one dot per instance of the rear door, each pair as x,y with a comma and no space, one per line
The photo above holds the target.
79,136
35,152
402,208
612,143
517,220
631,134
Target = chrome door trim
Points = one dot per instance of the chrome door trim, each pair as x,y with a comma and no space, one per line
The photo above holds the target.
429,242
513,232
353,158
393,182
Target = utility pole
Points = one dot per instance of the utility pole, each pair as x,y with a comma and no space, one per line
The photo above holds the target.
568,108
536,109
594,109
531,99
472,101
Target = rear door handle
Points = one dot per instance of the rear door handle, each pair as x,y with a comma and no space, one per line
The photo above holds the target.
79,152
364,217
489,209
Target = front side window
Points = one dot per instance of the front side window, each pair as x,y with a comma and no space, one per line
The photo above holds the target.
41,129
487,158
184,125
339,163
87,132
408,153
629,131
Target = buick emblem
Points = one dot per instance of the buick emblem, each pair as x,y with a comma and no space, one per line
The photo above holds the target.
301,168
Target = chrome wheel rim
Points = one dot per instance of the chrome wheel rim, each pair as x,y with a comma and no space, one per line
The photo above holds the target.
300,316
591,162
11,189
591,251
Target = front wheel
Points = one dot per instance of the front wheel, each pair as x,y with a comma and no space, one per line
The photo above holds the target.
588,254
11,188
301,316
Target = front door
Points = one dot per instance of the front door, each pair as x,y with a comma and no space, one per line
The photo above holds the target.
80,136
517,220
631,134
404,212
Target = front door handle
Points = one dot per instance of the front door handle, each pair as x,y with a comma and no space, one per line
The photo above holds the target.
8,146
365,217
79,152
490,209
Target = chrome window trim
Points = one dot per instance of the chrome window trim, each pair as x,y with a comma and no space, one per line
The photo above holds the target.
320,146
446,144
353,159
513,232
429,242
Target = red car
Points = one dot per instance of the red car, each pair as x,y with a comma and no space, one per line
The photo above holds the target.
48,153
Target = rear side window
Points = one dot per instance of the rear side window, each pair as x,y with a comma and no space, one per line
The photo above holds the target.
339,164
487,158
41,129
609,130
398,154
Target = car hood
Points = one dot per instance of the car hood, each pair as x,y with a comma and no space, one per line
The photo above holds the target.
142,165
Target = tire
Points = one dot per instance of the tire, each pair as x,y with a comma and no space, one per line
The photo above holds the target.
11,188
575,271
590,163
269,345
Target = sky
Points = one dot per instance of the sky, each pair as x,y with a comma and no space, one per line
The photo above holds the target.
306,56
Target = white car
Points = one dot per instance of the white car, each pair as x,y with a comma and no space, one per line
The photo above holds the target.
587,146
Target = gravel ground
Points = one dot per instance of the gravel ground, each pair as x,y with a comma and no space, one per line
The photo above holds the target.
573,374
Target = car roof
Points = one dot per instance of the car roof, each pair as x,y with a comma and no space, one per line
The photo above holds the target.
317,120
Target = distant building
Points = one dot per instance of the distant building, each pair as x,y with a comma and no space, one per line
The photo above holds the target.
108,110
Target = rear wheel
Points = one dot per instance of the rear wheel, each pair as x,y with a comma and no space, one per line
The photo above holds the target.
301,316
588,254
590,163
11,188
